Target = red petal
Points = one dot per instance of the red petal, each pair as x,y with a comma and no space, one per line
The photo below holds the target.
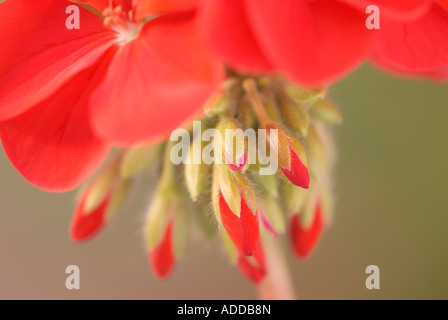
305,240
298,174
442,4
416,47
103,4
397,9
41,53
440,75
314,42
229,35
148,7
85,226
155,82
52,144
162,256
254,273
242,230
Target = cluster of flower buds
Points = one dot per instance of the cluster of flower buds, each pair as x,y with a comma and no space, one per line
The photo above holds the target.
250,208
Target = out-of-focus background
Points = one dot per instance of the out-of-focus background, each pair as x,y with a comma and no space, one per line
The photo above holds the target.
392,211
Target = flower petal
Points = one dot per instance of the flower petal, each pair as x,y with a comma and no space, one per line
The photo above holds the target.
228,33
417,47
103,4
314,42
149,7
253,272
303,240
162,256
242,230
42,54
86,225
397,9
298,174
155,82
52,144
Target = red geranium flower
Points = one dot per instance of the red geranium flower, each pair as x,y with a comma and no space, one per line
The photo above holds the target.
123,77
312,42
415,47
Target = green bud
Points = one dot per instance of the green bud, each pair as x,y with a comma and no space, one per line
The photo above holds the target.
229,247
295,115
309,209
304,96
326,111
118,197
196,174
138,159
294,197
100,186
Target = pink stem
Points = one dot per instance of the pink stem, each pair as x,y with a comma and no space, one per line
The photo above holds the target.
277,285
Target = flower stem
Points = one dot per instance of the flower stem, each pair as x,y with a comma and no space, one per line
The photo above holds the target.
250,87
277,284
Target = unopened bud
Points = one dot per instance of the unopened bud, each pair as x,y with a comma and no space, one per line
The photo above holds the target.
100,200
234,148
235,206
254,268
196,172
304,96
295,115
304,240
138,159
326,111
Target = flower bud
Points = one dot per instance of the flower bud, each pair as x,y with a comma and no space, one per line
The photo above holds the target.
99,201
138,159
294,197
326,111
229,247
295,115
304,96
166,231
254,268
304,240
196,172
291,157
234,148
235,206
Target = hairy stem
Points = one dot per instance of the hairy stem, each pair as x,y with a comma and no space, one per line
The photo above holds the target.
277,284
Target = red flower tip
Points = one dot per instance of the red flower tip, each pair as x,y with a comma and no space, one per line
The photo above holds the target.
241,162
86,225
305,240
298,174
162,256
242,230
257,272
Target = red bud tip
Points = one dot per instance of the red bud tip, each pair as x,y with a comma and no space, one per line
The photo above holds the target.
255,273
298,174
162,257
86,225
305,240
267,224
242,230
242,161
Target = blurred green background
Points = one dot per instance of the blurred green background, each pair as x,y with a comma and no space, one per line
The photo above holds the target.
392,211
